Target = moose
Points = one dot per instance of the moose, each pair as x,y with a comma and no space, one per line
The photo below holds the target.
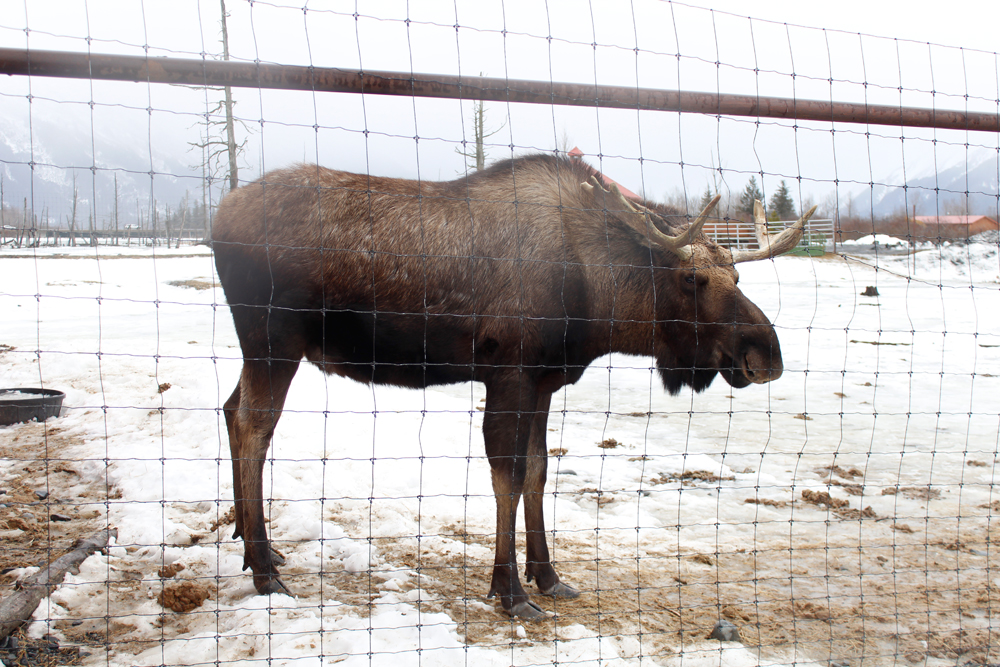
517,276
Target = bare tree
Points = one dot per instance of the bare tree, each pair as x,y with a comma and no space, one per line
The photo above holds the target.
72,220
220,151
116,209
234,180
564,146
476,157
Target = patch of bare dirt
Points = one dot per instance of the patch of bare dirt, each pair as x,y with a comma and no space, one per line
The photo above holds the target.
47,503
192,283
824,499
913,492
842,508
170,571
691,478
887,604
852,489
767,502
840,472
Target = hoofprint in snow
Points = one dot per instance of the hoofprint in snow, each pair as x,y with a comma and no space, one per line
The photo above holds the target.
840,513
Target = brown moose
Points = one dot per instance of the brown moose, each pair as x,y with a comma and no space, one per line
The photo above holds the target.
517,276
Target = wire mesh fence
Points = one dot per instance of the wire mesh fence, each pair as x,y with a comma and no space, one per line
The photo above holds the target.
842,513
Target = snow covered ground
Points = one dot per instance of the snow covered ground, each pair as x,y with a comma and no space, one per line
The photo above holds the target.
711,506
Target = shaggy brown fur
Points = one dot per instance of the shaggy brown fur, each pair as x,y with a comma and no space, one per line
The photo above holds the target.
516,277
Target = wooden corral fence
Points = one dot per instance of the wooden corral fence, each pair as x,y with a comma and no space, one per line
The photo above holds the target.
740,235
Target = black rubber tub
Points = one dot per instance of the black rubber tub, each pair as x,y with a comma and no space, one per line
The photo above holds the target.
28,404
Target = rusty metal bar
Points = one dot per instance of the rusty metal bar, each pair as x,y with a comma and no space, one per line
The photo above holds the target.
331,79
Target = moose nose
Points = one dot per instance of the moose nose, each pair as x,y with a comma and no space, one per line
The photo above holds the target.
761,366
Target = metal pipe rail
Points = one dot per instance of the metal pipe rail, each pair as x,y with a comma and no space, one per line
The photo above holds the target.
109,67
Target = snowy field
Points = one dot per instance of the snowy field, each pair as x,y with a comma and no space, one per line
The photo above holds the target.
846,512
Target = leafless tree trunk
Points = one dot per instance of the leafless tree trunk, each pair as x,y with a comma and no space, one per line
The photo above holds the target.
72,221
166,225
476,158
234,180
204,188
116,209
184,212
153,220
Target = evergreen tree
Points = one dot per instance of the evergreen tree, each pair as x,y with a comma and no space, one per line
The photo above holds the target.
750,194
706,197
781,204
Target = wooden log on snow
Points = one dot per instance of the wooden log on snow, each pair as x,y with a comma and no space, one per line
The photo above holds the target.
19,607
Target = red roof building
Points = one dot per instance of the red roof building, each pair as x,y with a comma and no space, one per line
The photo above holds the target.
577,155
952,226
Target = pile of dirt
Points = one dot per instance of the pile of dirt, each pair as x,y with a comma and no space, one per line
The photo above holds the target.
183,596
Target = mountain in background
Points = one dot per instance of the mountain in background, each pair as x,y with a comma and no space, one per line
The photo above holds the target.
967,185
62,143
64,147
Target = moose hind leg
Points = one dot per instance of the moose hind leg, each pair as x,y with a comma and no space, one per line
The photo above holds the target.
538,565
263,388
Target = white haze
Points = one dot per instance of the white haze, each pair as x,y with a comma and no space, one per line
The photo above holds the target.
655,153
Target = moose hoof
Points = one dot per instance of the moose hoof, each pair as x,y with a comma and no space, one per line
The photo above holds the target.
562,591
273,585
529,611
277,558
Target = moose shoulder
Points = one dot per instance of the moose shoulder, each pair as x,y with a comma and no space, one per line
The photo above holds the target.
518,277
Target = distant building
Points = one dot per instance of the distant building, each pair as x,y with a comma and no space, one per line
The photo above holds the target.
577,156
952,227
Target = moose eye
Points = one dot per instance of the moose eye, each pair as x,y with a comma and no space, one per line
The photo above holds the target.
689,279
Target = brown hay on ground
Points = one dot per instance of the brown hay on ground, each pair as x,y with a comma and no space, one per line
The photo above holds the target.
42,461
193,284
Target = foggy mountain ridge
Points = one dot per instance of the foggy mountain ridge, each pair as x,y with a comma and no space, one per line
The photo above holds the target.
936,191
64,148
66,144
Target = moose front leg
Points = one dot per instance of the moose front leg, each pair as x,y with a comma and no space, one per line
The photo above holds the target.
510,408
538,566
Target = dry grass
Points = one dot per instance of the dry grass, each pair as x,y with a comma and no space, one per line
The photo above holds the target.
34,455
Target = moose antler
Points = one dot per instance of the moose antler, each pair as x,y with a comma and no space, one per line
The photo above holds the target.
679,245
772,245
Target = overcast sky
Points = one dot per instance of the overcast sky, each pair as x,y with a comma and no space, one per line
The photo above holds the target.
848,51
966,23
